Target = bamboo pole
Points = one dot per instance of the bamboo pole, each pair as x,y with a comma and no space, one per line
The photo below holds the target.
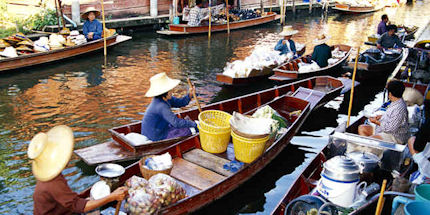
118,206
58,16
352,87
194,95
271,5
61,14
381,198
104,33
210,20
228,16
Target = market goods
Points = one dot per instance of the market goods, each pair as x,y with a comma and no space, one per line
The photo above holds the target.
167,189
160,162
141,199
268,112
250,125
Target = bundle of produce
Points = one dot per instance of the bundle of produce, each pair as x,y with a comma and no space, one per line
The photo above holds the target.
56,41
9,52
160,162
269,113
41,45
244,14
167,189
136,139
261,57
337,53
308,67
141,198
356,3
251,126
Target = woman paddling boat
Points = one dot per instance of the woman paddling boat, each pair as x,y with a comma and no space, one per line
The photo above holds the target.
159,122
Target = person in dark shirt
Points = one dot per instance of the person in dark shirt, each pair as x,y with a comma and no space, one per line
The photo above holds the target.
322,52
382,27
389,39
92,28
287,45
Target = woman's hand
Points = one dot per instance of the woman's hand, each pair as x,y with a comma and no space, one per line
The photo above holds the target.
90,35
192,91
411,145
120,193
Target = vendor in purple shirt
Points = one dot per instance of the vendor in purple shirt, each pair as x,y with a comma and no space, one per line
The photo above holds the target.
92,28
382,27
159,122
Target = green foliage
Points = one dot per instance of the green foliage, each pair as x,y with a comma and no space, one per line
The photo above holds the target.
40,20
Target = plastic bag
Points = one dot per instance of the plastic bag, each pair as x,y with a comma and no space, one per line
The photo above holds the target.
142,198
167,189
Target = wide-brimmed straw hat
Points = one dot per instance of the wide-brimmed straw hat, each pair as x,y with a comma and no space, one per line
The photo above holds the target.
9,52
288,31
161,83
88,10
4,44
50,152
322,38
25,43
24,48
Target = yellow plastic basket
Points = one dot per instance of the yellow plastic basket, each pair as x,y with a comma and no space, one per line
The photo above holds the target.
247,150
372,39
215,121
214,142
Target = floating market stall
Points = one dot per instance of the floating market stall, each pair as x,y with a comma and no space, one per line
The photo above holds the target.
124,148
304,67
403,32
258,66
358,6
198,176
19,51
221,25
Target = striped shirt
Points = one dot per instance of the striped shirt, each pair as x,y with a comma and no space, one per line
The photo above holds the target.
395,121
196,16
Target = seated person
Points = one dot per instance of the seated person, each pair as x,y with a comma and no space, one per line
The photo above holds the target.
287,45
50,153
419,145
322,52
389,39
393,125
382,26
196,14
159,122
92,28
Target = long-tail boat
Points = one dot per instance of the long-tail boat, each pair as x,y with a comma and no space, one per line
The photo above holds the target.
376,71
254,76
184,29
290,71
202,174
345,8
324,88
305,182
58,54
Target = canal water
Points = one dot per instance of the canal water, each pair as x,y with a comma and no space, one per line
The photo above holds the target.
82,95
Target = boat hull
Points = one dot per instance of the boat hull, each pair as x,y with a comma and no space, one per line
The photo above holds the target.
356,10
56,55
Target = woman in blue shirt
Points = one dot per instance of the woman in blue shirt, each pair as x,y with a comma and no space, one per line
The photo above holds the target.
92,27
287,45
159,122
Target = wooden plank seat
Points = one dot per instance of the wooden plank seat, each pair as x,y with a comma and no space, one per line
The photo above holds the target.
208,161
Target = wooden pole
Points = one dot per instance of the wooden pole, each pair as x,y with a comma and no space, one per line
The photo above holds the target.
104,32
283,12
210,20
58,16
228,16
352,87
381,198
271,5
294,7
118,206
61,14
194,95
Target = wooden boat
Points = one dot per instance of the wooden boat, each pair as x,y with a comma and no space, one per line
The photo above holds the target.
58,54
423,44
254,75
375,71
324,88
184,29
202,174
408,35
289,71
354,10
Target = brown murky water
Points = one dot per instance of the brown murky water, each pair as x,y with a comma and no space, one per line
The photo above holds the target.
89,99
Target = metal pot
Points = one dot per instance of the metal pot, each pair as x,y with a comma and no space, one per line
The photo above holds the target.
367,161
110,173
341,168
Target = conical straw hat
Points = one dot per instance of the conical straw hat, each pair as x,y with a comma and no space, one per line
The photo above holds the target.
322,38
161,83
288,31
88,10
50,152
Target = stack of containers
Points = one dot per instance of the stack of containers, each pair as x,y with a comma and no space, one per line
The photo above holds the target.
214,129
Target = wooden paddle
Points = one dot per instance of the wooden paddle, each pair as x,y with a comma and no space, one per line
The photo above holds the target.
381,199
194,95
118,206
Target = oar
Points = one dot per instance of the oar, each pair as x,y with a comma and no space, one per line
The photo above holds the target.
118,206
104,33
381,198
352,87
194,95
210,20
